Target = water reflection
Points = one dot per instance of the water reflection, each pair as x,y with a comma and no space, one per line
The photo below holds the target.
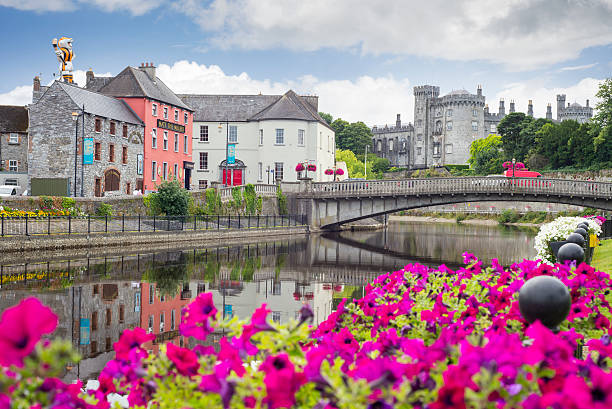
96,298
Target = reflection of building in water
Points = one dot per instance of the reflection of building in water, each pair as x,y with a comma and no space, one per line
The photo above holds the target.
322,303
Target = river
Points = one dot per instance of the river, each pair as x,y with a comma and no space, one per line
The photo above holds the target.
98,294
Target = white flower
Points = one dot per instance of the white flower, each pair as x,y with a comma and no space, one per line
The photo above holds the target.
558,230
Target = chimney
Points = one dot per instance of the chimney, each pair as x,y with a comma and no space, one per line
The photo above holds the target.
479,90
549,112
149,69
502,109
37,90
530,108
89,77
587,103
37,84
568,104
398,121
512,106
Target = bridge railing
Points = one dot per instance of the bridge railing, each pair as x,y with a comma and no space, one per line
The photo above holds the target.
460,185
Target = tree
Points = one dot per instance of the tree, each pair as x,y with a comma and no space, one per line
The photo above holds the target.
353,136
486,156
510,128
171,198
380,166
327,117
354,166
602,124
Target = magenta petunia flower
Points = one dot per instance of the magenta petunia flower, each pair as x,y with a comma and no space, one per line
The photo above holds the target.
197,317
218,383
21,327
282,382
132,340
186,360
259,319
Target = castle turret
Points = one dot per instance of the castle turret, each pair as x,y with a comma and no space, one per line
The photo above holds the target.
549,111
502,108
587,103
560,105
398,121
512,106
530,109
479,90
486,109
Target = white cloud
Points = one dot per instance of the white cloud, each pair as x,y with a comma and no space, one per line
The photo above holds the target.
135,7
522,92
368,99
39,5
578,67
521,34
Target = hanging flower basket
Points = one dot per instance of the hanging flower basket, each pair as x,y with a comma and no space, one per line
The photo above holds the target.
299,168
312,168
329,171
297,295
339,172
519,165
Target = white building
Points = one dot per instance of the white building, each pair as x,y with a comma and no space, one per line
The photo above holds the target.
271,134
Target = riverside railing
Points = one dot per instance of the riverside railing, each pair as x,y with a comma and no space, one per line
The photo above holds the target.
467,185
68,225
261,190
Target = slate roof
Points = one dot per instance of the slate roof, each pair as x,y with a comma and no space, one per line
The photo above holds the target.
13,118
99,104
97,82
132,82
243,108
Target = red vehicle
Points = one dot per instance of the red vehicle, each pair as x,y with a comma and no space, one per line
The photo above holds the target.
522,173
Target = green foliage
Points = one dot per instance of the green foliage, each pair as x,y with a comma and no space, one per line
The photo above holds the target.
171,199
250,199
486,156
327,117
380,165
104,209
68,203
167,277
45,202
213,202
150,205
508,216
354,166
282,201
352,136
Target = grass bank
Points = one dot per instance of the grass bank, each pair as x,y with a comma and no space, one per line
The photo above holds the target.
602,259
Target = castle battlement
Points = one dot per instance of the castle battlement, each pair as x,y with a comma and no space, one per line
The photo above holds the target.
427,91
388,129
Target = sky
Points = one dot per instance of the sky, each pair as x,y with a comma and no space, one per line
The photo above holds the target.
361,57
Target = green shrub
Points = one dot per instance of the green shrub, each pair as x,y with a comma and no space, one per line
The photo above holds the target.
213,202
461,217
46,202
68,203
508,216
171,199
250,199
104,209
282,201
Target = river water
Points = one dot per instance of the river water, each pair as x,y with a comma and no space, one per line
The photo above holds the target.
97,295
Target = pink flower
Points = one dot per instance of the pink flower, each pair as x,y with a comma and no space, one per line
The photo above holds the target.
186,360
282,382
218,383
196,316
132,340
258,319
21,327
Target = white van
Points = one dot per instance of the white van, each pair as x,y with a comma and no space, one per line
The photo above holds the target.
9,190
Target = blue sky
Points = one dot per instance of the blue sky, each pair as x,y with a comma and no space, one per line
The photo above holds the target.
362,57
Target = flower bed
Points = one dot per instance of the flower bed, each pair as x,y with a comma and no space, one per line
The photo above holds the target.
419,338
13,213
558,230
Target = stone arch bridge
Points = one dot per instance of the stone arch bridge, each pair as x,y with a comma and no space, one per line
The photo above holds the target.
331,204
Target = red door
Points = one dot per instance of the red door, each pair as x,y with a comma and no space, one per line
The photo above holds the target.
237,177
227,181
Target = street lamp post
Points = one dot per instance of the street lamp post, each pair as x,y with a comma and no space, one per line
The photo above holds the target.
75,118
365,163
513,167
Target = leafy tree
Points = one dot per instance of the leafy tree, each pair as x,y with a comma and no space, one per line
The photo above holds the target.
602,123
486,156
171,198
352,136
327,117
510,128
168,277
380,166
354,166
582,147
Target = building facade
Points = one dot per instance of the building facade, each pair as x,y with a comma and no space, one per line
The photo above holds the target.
167,120
393,143
64,117
574,111
13,145
268,135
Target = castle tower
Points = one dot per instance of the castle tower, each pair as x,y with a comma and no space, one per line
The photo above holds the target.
512,106
423,96
486,109
530,109
549,111
502,108
479,90
398,122
560,105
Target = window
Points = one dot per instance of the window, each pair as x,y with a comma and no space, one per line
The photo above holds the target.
11,182
95,289
320,140
154,138
449,126
474,112
419,151
474,125
278,170
111,152
259,171
151,294
276,288
153,170
94,347
328,143
449,113
121,313
154,109
203,184
419,137
276,317
14,138
94,320
176,170
436,148
124,158
162,322
185,144
300,137
165,112
260,137
125,131
419,123
113,128
176,115
186,118
203,133
128,188
390,144
98,125
280,137
233,134
109,317
203,160
150,328
172,316
379,148
493,128
108,344
165,140
165,167
176,143
13,166
449,148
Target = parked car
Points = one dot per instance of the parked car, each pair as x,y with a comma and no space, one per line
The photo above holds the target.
9,190
522,173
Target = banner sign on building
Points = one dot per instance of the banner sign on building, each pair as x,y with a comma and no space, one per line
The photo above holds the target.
88,151
228,311
84,331
139,163
170,126
231,154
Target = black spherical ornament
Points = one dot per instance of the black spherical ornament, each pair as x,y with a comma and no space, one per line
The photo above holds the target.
544,298
583,225
582,232
570,252
575,238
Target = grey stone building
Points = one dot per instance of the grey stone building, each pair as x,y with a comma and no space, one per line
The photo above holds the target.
56,154
393,142
574,111
13,145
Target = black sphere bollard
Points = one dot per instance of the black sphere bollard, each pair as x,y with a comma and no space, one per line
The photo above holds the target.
575,238
570,252
582,232
545,298
583,225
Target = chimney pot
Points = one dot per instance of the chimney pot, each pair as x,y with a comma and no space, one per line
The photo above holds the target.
587,103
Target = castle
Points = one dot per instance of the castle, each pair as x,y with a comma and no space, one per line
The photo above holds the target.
445,127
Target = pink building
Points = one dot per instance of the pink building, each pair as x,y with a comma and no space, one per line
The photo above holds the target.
168,124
